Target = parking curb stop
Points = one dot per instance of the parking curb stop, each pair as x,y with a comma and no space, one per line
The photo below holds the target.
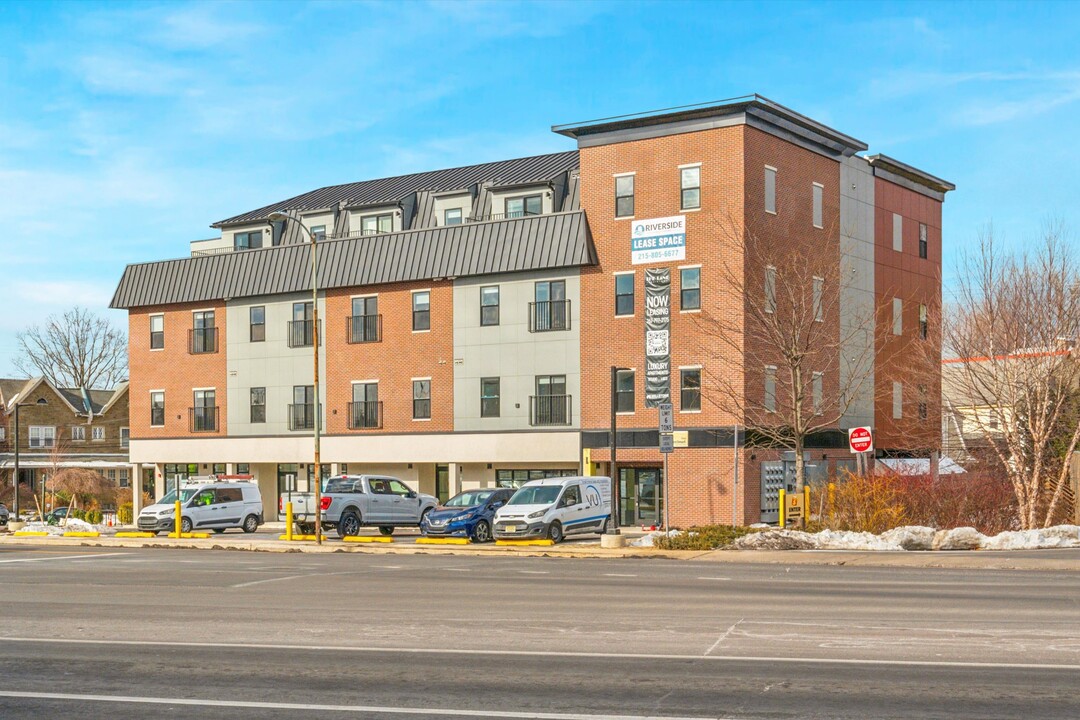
442,541
525,543
368,539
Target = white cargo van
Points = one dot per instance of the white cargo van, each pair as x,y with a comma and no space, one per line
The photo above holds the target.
555,508
213,505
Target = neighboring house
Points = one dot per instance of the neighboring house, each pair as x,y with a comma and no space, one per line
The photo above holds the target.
63,428
470,318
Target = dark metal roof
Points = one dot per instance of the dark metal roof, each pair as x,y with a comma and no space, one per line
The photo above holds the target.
531,243
539,168
913,174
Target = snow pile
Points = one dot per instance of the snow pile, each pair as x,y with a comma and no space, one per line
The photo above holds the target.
961,538
776,540
911,537
650,539
1054,537
842,540
42,527
73,525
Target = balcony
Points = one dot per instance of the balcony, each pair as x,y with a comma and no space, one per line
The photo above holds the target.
365,415
302,417
301,333
549,315
547,410
364,329
202,341
203,419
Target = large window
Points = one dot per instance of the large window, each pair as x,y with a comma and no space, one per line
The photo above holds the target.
517,478
302,326
690,187
302,410
157,408
247,240
489,305
489,397
770,189
624,196
551,309
42,436
526,205
374,224
203,333
364,412
690,288
258,405
690,389
624,294
365,322
624,391
421,310
157,332
257,327
421,399
818,191
550,405
204,412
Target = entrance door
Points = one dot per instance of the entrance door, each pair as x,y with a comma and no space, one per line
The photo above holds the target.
640,496
442,483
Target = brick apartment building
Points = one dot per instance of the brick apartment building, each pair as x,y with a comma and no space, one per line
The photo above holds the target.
469,318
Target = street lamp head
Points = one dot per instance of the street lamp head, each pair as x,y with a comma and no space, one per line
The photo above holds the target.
280,216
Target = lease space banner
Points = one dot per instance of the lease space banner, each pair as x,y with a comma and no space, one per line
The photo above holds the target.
658,240
657,336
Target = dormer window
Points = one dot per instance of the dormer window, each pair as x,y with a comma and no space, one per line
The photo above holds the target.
452,216
525,205
374,224
247,240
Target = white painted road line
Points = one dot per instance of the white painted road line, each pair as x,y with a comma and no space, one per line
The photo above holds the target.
61,557
713,578
301,707
618,575
542,653
534,572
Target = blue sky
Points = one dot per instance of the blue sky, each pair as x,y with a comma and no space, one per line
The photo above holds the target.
126,129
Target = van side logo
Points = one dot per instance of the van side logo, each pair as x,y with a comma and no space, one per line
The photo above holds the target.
592,496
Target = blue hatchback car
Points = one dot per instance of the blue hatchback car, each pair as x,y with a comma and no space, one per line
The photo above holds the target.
467,514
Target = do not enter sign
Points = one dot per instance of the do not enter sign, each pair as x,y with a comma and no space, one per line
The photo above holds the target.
860,440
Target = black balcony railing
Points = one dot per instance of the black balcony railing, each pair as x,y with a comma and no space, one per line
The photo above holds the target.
365,414
549,315
364,328
203,419
202,340
302,417
550,410
301,333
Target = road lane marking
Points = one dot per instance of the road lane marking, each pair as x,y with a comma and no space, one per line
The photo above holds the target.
713,578
618,575
291,577
534,572
255,705
457,569
62,557
541,653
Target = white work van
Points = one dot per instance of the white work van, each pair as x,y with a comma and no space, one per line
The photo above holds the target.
555,508
206,505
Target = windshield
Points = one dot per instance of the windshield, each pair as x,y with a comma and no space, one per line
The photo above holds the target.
471,498
536,495
170,497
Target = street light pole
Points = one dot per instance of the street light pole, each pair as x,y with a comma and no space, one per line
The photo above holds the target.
15,500
613,521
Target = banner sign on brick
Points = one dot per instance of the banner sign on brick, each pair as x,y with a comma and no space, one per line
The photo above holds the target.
657,336
658,240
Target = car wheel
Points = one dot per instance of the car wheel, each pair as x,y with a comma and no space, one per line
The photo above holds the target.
349,524
185,525
555,532
482,532
219,530
386,529
251,524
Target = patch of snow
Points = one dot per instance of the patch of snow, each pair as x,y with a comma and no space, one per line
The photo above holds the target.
911,537
1054,537
776,540
961,538
843,540
650,539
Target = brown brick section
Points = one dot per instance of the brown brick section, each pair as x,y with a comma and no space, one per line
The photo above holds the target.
400,356
174,369
56,412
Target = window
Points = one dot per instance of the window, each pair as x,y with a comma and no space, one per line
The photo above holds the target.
819,291
521,206
922,402
421,399
302,410
302,326
624,196
690,389
157,332
770,388
125,437
897,316
690,187
624,391
204,411
364,412
993,421
78,432
98,433
319,231
818,386
922,241
551,310
374,224
203,333
897,232
489,397
770,189
125,480
924,325
243,469
489,305
257,327
421,310
42,437
517,478
770,289
258,405
452,216
897,400
549,406
818,191
624,294
690,288
247,240
157,408
365,324
571,497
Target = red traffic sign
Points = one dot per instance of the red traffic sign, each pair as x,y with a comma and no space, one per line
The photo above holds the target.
860,439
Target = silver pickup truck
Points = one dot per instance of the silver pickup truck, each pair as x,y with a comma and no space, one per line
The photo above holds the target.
350,502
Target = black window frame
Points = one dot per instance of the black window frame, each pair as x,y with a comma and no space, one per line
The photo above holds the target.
621,296
524,205
490,404
489,314
924,241
686,293
421,319
624,196
684,188
260,334
157,411
625,396
689,394
421,400
257,410
247,235
924,321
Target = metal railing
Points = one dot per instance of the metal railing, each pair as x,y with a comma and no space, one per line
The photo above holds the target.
550,410
301,333
202,340
364,328
365,414
213,251
549,315
302,417
203,419
500,216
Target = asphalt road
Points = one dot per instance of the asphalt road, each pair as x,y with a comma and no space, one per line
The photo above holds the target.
117,633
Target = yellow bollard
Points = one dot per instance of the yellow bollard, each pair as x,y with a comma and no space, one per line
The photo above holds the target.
179,514
806,506
783,499
288,521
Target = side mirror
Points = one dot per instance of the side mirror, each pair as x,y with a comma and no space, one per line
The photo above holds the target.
412,493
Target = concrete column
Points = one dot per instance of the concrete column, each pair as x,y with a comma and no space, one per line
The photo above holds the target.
159,481
335,469
230,468
136,489
455,479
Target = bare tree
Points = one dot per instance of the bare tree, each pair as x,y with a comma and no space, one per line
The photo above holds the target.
82,485
1016,325
77,349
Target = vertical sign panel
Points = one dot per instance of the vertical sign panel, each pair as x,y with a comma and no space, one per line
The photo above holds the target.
657,336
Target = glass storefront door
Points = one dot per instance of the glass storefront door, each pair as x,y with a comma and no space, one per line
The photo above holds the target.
640,496
442,483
